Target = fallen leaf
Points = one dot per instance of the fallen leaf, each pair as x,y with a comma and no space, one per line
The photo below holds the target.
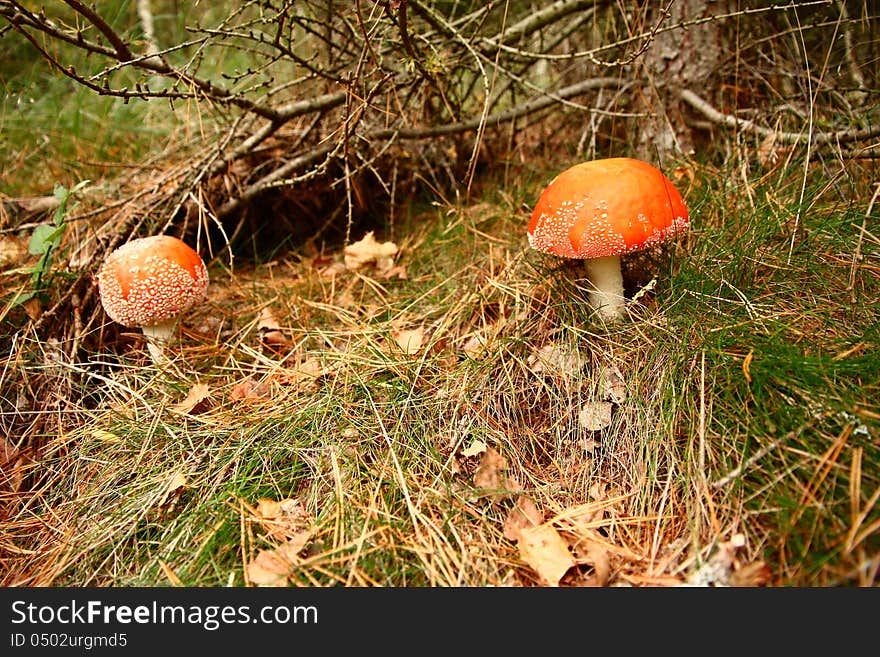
523,514
276,340
490,473
719,568
35,204
409,340
282,520
590,551
271,333
595,416
307,373
398,271
491,476
598,491
267,321
474,345
680,172
8,451
555,359
476,447
195,400
33,308
172,488
13,252
273,567
753,574
249,390
613,385
545,551
367,251
105,436
333,269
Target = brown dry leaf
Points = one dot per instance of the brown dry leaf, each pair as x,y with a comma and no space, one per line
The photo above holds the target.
753,574
476,447
307,373
545,551
270,330
474,346
718,569
398,271
172,488
369,251
33,308
595,416
482,340
555,359
13,252
34,204
524,514
105,436
409,340
490,475
195,400
598,491
590,551
282,520
267,321
272,567
249,390
8,451
276,340
613,385
683,171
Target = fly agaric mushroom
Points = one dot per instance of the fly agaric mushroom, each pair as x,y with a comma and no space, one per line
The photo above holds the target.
599,210
148,283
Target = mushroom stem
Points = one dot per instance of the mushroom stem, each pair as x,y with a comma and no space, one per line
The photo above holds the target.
606,292
158,335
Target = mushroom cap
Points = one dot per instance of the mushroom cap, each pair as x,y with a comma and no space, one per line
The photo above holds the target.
605,208
151,280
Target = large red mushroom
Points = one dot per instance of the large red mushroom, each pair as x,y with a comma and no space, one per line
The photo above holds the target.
599,210
148,282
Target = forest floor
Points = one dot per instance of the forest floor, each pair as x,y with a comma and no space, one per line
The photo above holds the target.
453,413
458,415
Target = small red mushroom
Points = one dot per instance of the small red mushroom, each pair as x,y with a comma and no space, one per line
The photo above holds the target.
600,210
148,283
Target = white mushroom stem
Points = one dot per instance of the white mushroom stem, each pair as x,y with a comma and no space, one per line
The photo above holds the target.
606,292
158,335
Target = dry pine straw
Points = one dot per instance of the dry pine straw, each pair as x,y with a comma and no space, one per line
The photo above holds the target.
462,393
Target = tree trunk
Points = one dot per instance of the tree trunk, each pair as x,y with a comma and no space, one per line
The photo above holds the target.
676,59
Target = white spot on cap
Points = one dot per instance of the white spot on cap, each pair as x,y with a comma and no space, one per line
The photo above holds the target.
164,277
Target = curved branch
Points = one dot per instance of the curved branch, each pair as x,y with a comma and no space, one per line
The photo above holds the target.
834,137
392,134
123,54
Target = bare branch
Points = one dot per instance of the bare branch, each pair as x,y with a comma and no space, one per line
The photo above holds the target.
835,137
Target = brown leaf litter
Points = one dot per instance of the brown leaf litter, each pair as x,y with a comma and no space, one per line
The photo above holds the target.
288,523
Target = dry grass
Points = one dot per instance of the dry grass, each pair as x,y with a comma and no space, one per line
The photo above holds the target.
741,449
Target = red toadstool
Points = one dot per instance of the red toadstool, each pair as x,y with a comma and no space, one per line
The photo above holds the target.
148,283
600,210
